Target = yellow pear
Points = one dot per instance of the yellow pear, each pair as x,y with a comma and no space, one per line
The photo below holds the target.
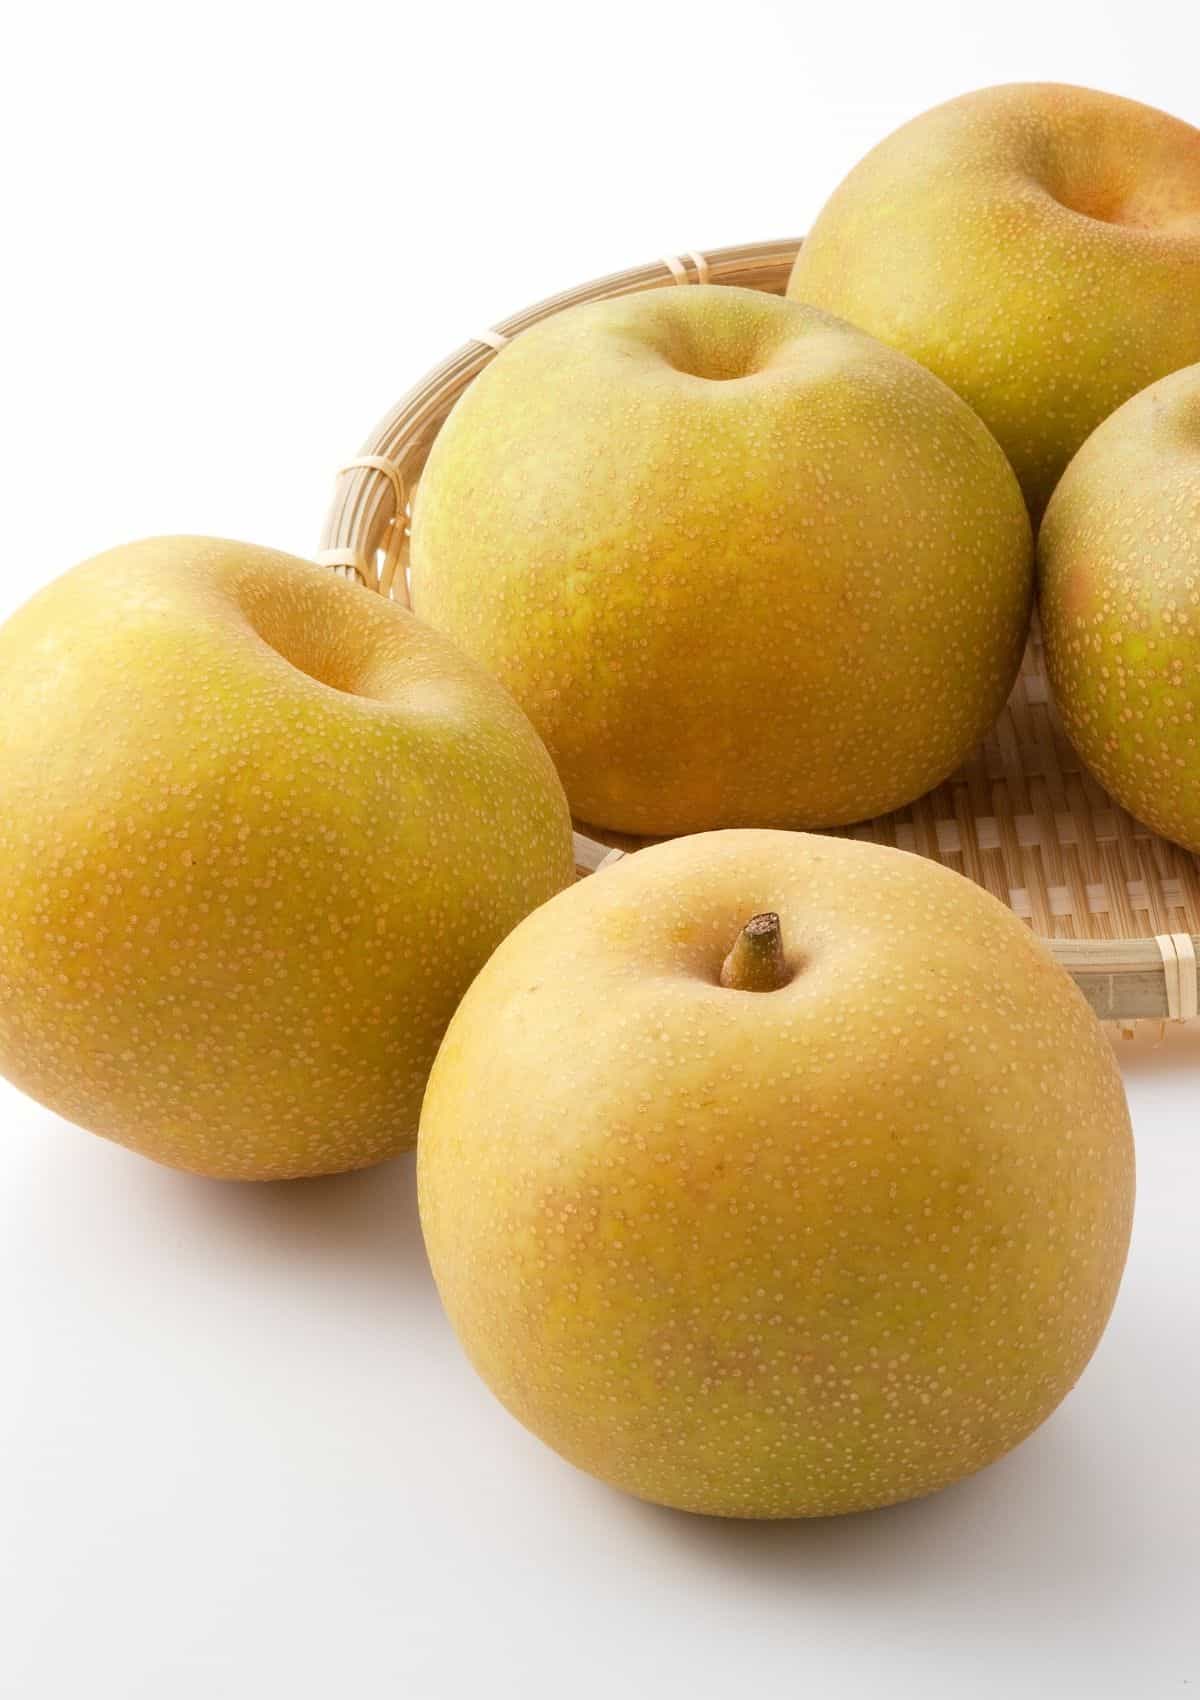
1035,245
822,1195
739,563
258,830
1119,562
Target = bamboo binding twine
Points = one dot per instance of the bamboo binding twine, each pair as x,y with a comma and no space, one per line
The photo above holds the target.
1118,906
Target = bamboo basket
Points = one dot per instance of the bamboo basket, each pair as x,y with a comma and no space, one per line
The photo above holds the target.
1118,906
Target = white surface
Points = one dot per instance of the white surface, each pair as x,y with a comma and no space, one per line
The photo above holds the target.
240,1455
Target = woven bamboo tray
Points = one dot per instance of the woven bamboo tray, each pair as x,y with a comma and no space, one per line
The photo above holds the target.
1119,907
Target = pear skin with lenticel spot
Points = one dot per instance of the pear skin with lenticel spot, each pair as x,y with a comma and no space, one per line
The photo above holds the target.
740,564
768,1175
259,828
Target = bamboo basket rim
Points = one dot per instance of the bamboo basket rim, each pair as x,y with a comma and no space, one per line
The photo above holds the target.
1116,905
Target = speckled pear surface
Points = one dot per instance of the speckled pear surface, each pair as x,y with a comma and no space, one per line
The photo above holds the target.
1119,563
740,564
258,830
1035,245
785,1253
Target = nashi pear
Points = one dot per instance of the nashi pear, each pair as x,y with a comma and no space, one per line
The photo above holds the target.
776,1252
1035,245
1119,565
740,564
259,829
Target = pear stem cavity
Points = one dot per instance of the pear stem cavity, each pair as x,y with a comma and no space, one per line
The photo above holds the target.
756,963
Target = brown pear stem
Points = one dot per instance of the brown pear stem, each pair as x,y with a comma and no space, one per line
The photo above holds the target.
756,962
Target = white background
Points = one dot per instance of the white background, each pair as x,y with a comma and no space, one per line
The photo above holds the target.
240,1455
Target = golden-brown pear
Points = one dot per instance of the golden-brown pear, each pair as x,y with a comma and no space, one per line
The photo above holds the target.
1119,560
258,830
771,1244
1035,245
739,563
